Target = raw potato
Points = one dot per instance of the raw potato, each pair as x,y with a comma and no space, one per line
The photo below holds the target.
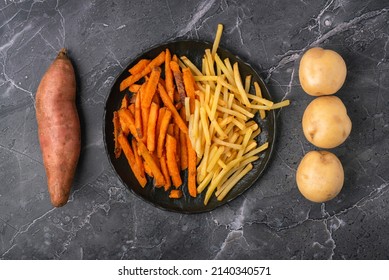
320,176
58,127
322,72
326,123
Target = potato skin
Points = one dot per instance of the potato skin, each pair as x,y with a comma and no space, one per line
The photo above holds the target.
326,123
58,127
320,176
322,72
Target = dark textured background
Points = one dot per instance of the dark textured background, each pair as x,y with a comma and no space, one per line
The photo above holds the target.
103,220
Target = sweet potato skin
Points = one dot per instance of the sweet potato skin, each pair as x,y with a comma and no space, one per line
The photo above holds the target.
58,127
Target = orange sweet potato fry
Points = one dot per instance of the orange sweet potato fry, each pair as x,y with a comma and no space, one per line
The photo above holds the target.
132,99
170,129
134,88
147,169
176,97
176,194
127,118
161,113
169,75
125,101
189,87
169,104
116,131
177,136
145,111
123,126
131,159
178,106
129,81
136,77
153,118
156,159
162,81
192,162
165,172
151,87
184,151
157,61
139,67
145,121
179,80
175,58
138,116
174,171
138,158
157,99
182,114
132,109
159,180
162,132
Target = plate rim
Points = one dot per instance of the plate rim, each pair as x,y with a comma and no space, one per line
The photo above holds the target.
154,204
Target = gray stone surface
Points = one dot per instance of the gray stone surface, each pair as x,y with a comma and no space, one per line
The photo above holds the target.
103,220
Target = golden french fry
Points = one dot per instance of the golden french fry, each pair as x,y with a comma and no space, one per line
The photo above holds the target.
230,183
258,93
239,84
216,41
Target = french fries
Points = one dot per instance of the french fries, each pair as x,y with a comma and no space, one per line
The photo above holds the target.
224,133
190,117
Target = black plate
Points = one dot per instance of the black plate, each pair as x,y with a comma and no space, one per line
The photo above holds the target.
194,50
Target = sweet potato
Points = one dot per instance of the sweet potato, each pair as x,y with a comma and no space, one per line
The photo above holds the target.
59,127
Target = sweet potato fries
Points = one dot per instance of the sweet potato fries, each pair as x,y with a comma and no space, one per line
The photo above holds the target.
151,117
